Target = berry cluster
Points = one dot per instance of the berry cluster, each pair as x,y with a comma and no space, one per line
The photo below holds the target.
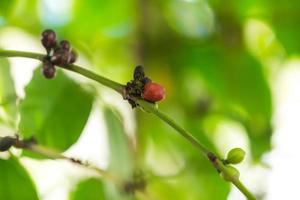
143,87
57,54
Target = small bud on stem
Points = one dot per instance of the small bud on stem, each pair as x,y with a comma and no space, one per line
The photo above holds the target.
235,156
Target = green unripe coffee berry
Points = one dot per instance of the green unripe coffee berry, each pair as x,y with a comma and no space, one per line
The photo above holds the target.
230,174
235,156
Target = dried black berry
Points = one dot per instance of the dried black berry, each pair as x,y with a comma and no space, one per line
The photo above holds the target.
138,73
65,45
146,80
48,39
48,70
6,143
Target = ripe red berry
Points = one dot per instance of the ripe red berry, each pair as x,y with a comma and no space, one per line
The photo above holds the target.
153,92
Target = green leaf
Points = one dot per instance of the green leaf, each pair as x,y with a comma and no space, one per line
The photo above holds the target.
5,8
282,15
238,84
190,185
91,189
285,19
193,19
120,161
54,111
118,143
7,93
15,183
25,15
106,19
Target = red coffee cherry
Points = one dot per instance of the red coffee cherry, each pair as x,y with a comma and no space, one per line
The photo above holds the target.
153,92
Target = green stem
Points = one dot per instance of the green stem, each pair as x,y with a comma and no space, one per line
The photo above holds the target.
49,153
100,79
235,181
147,106
23,54
244,190
75,68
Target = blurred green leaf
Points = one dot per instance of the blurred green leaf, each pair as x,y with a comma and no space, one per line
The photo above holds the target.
5,8
281,14
106,19
91,189
15,182
285,18
105,29
239,87
190,185
8,95
24,14
120,161
118,143
193,19
54,111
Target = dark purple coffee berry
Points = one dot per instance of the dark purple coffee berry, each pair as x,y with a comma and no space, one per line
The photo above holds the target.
61,57
48,39
66,58
138,73
6,143
49,34
56,58
73,56
48,70
47,63
48,44
65,45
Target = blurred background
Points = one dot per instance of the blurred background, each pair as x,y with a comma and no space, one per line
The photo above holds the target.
231,70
